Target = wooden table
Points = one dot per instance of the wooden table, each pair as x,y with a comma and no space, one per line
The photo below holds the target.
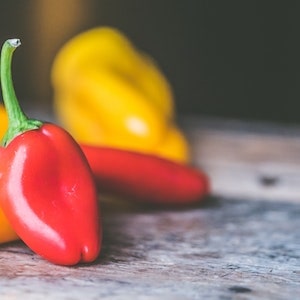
243,242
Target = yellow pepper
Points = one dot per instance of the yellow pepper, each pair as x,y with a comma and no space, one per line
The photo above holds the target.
108,93
7,234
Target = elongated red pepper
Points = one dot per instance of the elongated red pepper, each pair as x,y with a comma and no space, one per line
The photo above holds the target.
47,190
144,177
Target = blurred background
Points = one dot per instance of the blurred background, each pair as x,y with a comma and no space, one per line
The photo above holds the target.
232,59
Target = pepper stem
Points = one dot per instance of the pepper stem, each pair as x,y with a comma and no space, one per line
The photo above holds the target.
18,122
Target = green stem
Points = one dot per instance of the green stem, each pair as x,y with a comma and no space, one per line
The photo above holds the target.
18,122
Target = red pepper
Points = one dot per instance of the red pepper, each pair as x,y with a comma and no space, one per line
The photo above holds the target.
145,177
47,190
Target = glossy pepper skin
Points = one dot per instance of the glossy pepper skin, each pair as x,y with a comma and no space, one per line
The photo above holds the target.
108,93
7,234
3,121
146,178
47,191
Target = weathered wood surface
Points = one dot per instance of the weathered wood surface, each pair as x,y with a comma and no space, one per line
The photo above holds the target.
229,247
248,160
218,251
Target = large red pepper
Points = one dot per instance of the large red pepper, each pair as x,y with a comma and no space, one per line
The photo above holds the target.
145,177
47,190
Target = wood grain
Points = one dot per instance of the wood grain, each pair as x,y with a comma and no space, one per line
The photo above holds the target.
249,160
228,247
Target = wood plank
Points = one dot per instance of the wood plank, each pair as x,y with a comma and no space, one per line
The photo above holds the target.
248,160
228,247
223,249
